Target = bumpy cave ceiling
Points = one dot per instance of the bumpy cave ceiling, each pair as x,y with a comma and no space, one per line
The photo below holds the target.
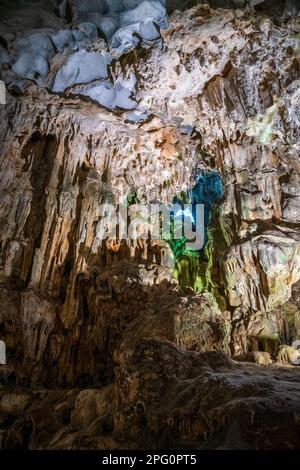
122,344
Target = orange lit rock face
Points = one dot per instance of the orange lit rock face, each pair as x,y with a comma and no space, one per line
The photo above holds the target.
146,361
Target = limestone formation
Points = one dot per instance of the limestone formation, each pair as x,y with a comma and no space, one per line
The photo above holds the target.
288,354
125,343
258,357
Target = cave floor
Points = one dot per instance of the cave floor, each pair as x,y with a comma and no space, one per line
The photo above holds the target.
163,398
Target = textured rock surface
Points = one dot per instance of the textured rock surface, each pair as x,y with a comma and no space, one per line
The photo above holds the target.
145,357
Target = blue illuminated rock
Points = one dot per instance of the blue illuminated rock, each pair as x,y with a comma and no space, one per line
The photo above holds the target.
208,189
149,30
112,96
152,10
4,56
125,39
89,29
82,67
62,39
32,56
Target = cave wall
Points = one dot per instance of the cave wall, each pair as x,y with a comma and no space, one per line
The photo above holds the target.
228,81
113,344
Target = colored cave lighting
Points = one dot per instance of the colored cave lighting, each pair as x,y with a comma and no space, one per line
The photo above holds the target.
207,191
185,213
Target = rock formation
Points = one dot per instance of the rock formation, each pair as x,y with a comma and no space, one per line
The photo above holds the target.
115,344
